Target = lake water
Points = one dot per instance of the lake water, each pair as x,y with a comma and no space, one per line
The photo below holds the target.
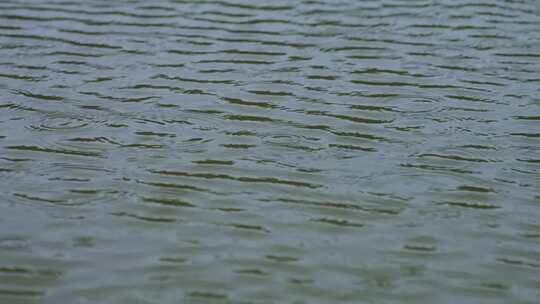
235,151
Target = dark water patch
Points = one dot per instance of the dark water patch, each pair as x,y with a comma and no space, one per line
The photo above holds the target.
246,179
214,162
207,295
169,202
21,293
58,151
337,222
148,219
39,96
472,205
248,227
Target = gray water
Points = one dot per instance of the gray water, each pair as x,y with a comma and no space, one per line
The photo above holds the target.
235,151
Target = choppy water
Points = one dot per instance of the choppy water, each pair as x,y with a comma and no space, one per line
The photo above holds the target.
270,152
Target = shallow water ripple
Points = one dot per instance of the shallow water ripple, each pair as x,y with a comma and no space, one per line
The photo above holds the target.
236,151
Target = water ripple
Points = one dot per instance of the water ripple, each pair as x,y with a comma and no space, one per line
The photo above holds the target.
316,151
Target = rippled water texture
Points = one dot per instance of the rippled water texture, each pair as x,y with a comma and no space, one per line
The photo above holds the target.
236,151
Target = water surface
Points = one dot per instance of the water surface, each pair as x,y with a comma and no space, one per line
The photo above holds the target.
269,151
